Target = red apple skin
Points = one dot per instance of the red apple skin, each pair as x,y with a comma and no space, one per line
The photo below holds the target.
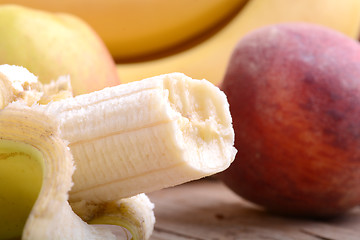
294,94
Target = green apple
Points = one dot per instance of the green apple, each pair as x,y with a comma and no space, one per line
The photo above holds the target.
51,45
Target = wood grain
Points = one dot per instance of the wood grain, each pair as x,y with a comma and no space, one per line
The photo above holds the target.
207,210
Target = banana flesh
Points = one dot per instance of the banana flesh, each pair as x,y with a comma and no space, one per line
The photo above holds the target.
18,84
124,141
13,86
144,136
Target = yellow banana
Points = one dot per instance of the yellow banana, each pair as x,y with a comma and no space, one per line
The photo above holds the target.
124,141
133,29
208,59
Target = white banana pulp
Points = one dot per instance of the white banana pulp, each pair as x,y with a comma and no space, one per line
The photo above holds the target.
144,136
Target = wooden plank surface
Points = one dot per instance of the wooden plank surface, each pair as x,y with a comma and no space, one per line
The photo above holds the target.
207,210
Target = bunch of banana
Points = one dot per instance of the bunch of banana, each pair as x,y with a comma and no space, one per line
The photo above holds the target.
71,166
133,29
209,57
150,38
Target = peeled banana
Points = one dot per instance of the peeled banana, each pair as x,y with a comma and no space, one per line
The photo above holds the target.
167,130
89,159
36,170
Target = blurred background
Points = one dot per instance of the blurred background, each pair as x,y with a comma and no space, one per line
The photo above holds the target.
148,38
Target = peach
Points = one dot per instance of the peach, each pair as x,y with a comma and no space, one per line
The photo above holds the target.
294,94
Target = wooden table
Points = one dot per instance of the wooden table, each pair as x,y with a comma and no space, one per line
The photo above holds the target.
207,210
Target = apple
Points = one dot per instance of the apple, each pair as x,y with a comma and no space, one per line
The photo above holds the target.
294,95
50,45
